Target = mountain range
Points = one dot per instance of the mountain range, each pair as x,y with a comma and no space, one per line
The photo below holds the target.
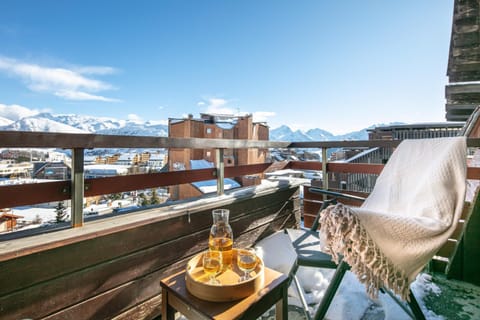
73,123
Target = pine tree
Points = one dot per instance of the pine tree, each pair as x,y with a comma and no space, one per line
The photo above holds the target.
154,199
61,212
142,199
115,196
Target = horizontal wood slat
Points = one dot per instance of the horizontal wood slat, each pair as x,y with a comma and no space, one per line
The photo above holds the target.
462,88
458,232
16,195
108,185
447,249
472,172
24,139
27,139
12,196
438,265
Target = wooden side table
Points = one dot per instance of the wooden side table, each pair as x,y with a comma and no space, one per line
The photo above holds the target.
175,297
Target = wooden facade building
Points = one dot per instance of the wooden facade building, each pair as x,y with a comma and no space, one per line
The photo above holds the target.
463,91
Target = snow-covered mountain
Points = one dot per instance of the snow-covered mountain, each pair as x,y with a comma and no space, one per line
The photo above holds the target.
5,121
74,123
40,122
89,123
138,129
284,133
320,135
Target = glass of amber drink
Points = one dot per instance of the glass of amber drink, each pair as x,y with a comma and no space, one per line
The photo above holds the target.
246,262
212,265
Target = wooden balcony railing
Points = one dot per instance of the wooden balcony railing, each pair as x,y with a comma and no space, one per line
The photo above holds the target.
110,268
78,187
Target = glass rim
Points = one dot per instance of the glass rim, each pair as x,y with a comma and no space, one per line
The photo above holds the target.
220,210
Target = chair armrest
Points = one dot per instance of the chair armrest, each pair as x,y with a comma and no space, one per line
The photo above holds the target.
328,202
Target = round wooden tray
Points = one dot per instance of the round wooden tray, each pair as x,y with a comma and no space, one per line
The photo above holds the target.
229,288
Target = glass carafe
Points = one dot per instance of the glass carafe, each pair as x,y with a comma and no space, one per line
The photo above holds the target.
221,236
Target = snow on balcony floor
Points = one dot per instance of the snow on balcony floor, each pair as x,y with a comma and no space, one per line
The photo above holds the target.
438,297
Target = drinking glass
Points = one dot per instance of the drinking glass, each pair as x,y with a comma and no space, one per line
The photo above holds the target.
212,265
246,262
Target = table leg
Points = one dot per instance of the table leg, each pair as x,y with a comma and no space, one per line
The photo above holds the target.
281,307
168,313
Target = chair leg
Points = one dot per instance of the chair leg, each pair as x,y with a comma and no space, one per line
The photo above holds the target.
417,311
331,290
301,296
398,302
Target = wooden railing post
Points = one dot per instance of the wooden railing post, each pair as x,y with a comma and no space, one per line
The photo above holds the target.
220,171
77,187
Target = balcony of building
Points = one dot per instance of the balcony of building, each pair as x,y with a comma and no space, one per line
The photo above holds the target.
109,267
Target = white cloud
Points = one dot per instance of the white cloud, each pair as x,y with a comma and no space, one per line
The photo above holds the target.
217,103
262,116
16,112
221,106
134,118
217,106
69,84
95,70
155,122
83,96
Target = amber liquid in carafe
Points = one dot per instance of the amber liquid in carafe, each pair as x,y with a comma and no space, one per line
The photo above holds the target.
225,245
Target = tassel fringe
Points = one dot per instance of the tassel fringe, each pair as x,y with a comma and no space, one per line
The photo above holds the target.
345,237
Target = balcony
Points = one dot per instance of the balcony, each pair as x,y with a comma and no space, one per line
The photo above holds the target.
111,267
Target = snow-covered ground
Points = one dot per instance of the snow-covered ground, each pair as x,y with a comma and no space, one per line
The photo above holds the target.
37,216
351,301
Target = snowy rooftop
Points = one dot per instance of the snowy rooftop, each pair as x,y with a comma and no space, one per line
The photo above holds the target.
119,169
157,156
126,156
210,186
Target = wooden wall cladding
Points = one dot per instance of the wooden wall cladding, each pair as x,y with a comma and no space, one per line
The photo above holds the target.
464,57
463,95
117,274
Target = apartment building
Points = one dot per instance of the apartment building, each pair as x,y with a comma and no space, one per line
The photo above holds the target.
214,126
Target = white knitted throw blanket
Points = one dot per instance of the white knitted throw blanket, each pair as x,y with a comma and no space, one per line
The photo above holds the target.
413,209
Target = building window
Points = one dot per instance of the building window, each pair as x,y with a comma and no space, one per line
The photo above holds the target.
209,130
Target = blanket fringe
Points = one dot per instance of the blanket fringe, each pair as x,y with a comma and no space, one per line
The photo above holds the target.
346,238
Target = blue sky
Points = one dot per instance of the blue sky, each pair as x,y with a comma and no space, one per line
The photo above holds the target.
336,65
